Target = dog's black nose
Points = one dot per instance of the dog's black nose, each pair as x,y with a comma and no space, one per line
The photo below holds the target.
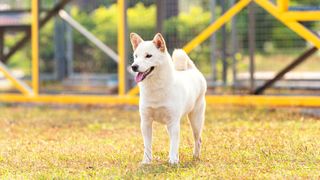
135,68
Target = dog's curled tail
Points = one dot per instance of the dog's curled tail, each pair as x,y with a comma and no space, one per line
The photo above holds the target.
181,60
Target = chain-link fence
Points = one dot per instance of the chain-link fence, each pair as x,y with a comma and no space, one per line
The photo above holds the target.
70,61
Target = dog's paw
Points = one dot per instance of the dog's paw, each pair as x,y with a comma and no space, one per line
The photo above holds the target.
145,162
173,161
196,157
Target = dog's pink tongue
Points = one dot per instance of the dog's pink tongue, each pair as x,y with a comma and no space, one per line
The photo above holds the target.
139,77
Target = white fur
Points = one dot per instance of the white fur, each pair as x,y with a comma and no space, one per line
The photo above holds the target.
181,60
172,90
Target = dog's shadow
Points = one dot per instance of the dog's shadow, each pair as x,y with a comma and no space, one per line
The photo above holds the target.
163,167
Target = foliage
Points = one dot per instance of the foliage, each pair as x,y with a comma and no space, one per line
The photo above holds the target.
21,59
102,22
185,26
188,24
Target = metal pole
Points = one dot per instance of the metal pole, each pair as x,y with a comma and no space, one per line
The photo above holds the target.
224,46
65,16
35,46
59,49
69,54
160,14
252,41
213,43
69,48
234,42
122,47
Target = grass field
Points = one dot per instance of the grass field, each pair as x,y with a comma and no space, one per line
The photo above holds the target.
238,142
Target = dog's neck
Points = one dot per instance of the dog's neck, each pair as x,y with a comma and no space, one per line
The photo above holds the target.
161,78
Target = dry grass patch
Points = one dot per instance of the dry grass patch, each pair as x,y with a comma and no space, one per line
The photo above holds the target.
73,143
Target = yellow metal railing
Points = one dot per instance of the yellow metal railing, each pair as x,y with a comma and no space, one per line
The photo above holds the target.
35,46
121,47
283,5
311,101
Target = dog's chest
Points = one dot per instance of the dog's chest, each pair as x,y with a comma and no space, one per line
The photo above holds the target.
159,114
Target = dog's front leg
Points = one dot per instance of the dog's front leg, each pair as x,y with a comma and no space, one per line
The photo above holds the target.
146,129
174,133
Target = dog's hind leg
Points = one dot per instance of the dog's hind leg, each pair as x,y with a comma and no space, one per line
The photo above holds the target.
174,133
196,118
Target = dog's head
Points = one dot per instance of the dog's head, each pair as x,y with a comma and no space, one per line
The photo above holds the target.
147,55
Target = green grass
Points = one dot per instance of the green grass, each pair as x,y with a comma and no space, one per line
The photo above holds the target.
81,143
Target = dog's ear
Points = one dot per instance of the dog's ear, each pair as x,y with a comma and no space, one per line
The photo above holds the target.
158,40
135,40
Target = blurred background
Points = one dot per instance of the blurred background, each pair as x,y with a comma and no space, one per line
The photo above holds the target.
72,63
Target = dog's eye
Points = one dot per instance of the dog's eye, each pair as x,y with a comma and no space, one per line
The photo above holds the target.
148,56
135,56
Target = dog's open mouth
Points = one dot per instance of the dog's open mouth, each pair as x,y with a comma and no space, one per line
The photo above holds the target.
142,75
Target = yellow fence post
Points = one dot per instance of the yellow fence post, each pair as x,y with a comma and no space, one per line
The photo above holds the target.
121,47
35,46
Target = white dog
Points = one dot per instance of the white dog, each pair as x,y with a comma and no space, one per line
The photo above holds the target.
169,89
